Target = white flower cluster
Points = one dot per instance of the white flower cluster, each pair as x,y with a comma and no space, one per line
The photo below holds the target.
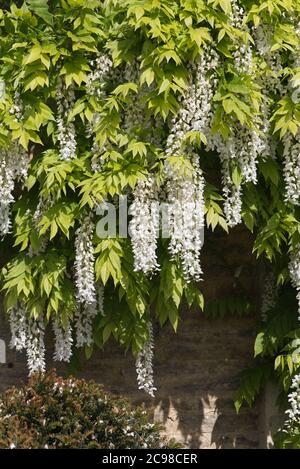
144,225
35,347
100,292
203,89
248,146
195,112
28,334
294,271
63,340
241,150
185,197
101,71
269,295
13,166
262,35
232,193
144,365
267,142
293,412
291,167
17,109
84,262
85,282
243,53
185,194
263,43
232,204
18,327
84,317
65,99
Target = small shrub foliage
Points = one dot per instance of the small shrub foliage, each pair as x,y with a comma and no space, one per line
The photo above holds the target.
53,412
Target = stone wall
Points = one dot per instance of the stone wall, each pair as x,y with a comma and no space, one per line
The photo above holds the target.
196,369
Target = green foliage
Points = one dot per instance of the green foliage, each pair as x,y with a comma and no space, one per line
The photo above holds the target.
288,440
277,351
42,42
230,306
56,413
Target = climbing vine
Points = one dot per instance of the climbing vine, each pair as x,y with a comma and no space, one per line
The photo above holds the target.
139,99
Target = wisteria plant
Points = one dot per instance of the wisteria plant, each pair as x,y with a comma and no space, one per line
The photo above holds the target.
139,98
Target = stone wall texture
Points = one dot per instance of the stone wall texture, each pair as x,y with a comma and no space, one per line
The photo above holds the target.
196,369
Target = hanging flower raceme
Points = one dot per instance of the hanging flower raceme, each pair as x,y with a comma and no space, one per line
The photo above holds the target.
28,334
240,152
144,365
101,72
84,262
35,346
17,109
232,191
85,282
271,80
294,271
185,197
243,52
18,327
84,317
291,142
203,90
196,106
63,340
185,194
293,413
291,167
65,99
100,298
269,296
14,162
144,225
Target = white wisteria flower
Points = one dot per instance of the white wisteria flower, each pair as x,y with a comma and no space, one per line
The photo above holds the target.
35,346
243,52
293,413
269,295
294,271
14,163
84,262
185,196
63,340
291,167
144,225
85,282
18,327
84,316
101,71
28,334
144,365
65,99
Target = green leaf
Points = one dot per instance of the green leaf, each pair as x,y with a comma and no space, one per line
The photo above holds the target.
259,344
41,8
164,86
237,177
